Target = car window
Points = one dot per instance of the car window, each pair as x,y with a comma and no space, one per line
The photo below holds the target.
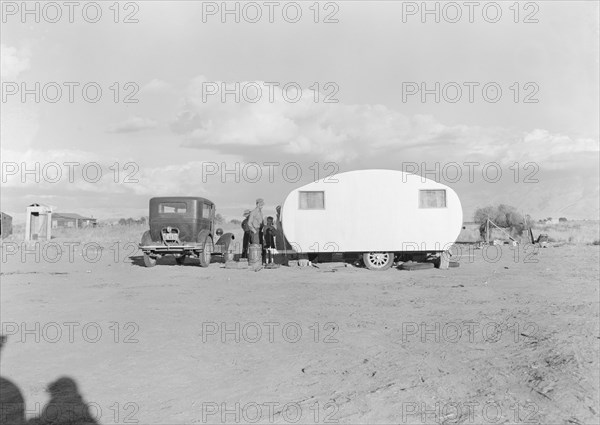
172,208
206,211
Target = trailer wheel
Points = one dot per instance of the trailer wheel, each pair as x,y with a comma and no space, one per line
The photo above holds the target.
207,250
180,260
149,261
378,261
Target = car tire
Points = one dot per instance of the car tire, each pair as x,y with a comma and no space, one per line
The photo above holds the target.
207,250
149,261
378,261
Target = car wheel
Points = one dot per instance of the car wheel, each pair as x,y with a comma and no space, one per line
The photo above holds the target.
207,250
149,261
378,261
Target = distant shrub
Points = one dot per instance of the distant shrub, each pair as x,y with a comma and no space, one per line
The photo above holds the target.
505,216
562,220
235,221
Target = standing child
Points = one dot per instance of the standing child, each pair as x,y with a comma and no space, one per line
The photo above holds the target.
269,234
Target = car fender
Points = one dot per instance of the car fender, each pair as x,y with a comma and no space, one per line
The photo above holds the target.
147,239
203,234
225,241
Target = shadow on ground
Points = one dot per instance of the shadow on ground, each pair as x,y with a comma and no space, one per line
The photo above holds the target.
66,405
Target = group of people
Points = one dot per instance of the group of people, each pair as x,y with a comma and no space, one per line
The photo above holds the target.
259,232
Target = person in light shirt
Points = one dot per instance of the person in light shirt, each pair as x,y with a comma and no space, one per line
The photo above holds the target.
255,222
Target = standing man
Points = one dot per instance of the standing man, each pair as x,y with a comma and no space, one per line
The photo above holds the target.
255,222
247,234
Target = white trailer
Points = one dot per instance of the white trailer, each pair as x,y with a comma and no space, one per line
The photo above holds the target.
376,213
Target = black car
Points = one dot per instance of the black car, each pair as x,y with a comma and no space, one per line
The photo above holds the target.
183,226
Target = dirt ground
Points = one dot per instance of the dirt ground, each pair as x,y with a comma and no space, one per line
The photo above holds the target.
511,341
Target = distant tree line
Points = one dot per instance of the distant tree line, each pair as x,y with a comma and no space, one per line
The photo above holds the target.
130,221
508,217
142,220
549,219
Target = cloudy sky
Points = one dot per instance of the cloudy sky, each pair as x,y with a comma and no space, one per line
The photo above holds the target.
518,97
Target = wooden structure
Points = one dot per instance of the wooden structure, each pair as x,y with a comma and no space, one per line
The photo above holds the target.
38,222
72,220
5,225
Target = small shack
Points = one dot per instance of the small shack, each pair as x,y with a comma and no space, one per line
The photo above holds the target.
72,220
5,225
38,222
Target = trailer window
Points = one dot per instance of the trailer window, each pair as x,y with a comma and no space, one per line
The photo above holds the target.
172,208
312,200
432,198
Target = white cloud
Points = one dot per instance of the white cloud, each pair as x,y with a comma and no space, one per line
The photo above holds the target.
354,136
156,85
133,124
60,173
14,61
347,133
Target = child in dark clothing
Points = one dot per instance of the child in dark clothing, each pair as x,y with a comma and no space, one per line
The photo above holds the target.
269,233
247,235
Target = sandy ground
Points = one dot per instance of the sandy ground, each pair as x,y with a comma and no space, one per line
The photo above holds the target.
504,342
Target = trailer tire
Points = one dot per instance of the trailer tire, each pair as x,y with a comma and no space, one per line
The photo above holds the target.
149,261
207,249
378,261
180,260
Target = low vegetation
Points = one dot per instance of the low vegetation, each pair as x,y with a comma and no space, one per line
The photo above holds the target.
573,231
577,232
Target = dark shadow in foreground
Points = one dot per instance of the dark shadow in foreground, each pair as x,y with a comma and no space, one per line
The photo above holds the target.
66,406
12,404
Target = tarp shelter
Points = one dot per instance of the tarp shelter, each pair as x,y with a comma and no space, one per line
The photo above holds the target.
38,222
